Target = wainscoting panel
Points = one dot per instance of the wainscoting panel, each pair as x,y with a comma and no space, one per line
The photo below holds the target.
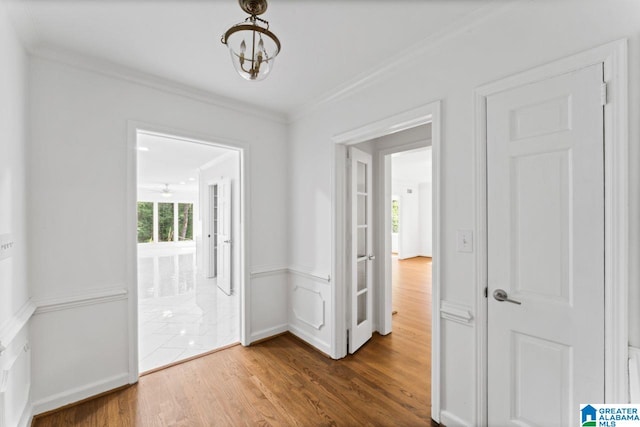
15,369
457,342
268,302
309,316
80,347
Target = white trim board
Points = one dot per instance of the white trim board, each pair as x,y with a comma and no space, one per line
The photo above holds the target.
428,113
614,57
98,296
78,393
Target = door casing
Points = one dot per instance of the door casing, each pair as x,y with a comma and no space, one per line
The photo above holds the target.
614,58
244,238
429,113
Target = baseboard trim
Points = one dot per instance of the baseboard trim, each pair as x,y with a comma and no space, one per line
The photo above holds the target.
450,420
268,333
78,394
309,339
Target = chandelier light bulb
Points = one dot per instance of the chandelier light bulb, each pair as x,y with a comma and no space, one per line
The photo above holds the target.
253,33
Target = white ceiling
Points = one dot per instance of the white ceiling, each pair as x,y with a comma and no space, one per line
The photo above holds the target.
326,45
171,161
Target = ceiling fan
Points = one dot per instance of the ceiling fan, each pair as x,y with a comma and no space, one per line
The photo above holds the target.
166,192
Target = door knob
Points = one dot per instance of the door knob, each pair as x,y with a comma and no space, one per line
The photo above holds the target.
501,295
372,257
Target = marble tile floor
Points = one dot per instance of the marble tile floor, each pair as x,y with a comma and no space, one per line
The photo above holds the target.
181,320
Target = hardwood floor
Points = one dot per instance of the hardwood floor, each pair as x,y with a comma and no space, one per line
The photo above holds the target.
284,382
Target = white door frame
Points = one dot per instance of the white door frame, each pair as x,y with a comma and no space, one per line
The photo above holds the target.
244,238
429,113
614,58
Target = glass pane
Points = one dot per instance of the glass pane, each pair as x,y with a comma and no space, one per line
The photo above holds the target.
362,307
362,242
362,275
395,217
362,177
362,209
145,222
165,222
185,221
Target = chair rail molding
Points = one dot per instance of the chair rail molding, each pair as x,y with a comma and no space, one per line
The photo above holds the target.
456,312
310,274
81,299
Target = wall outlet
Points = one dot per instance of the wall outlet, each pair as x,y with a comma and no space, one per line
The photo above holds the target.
465,241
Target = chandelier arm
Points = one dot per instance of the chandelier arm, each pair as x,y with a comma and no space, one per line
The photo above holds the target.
247,27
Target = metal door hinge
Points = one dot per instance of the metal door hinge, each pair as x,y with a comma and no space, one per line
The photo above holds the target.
603,94
486,292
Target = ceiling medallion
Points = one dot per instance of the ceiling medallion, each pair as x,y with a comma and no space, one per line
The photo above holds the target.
253,47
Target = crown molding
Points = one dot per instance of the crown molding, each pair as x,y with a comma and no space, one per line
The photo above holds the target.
406,56
36,45
111,69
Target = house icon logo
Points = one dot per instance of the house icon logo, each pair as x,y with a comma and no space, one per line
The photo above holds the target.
588,417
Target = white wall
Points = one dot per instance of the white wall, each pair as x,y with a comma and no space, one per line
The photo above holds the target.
519,36
15,308
415,234
78,208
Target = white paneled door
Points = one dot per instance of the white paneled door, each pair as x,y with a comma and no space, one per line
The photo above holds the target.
545,178
361,258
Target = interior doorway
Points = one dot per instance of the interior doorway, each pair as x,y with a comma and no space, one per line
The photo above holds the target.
429,114
187,306
401,167
411,207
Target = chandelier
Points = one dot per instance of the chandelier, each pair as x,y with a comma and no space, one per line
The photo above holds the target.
252,46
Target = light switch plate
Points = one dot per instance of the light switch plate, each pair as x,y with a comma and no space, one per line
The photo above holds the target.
465,240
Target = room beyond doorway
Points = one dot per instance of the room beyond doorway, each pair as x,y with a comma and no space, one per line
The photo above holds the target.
182,310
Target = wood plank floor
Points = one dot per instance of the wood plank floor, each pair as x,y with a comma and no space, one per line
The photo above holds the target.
284,382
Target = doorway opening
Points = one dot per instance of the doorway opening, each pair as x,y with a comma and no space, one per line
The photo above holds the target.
424,120
188,248
416,299
411,229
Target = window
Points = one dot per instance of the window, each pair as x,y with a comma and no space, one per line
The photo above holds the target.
165,222
185,221
145,222
158,221
395,219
